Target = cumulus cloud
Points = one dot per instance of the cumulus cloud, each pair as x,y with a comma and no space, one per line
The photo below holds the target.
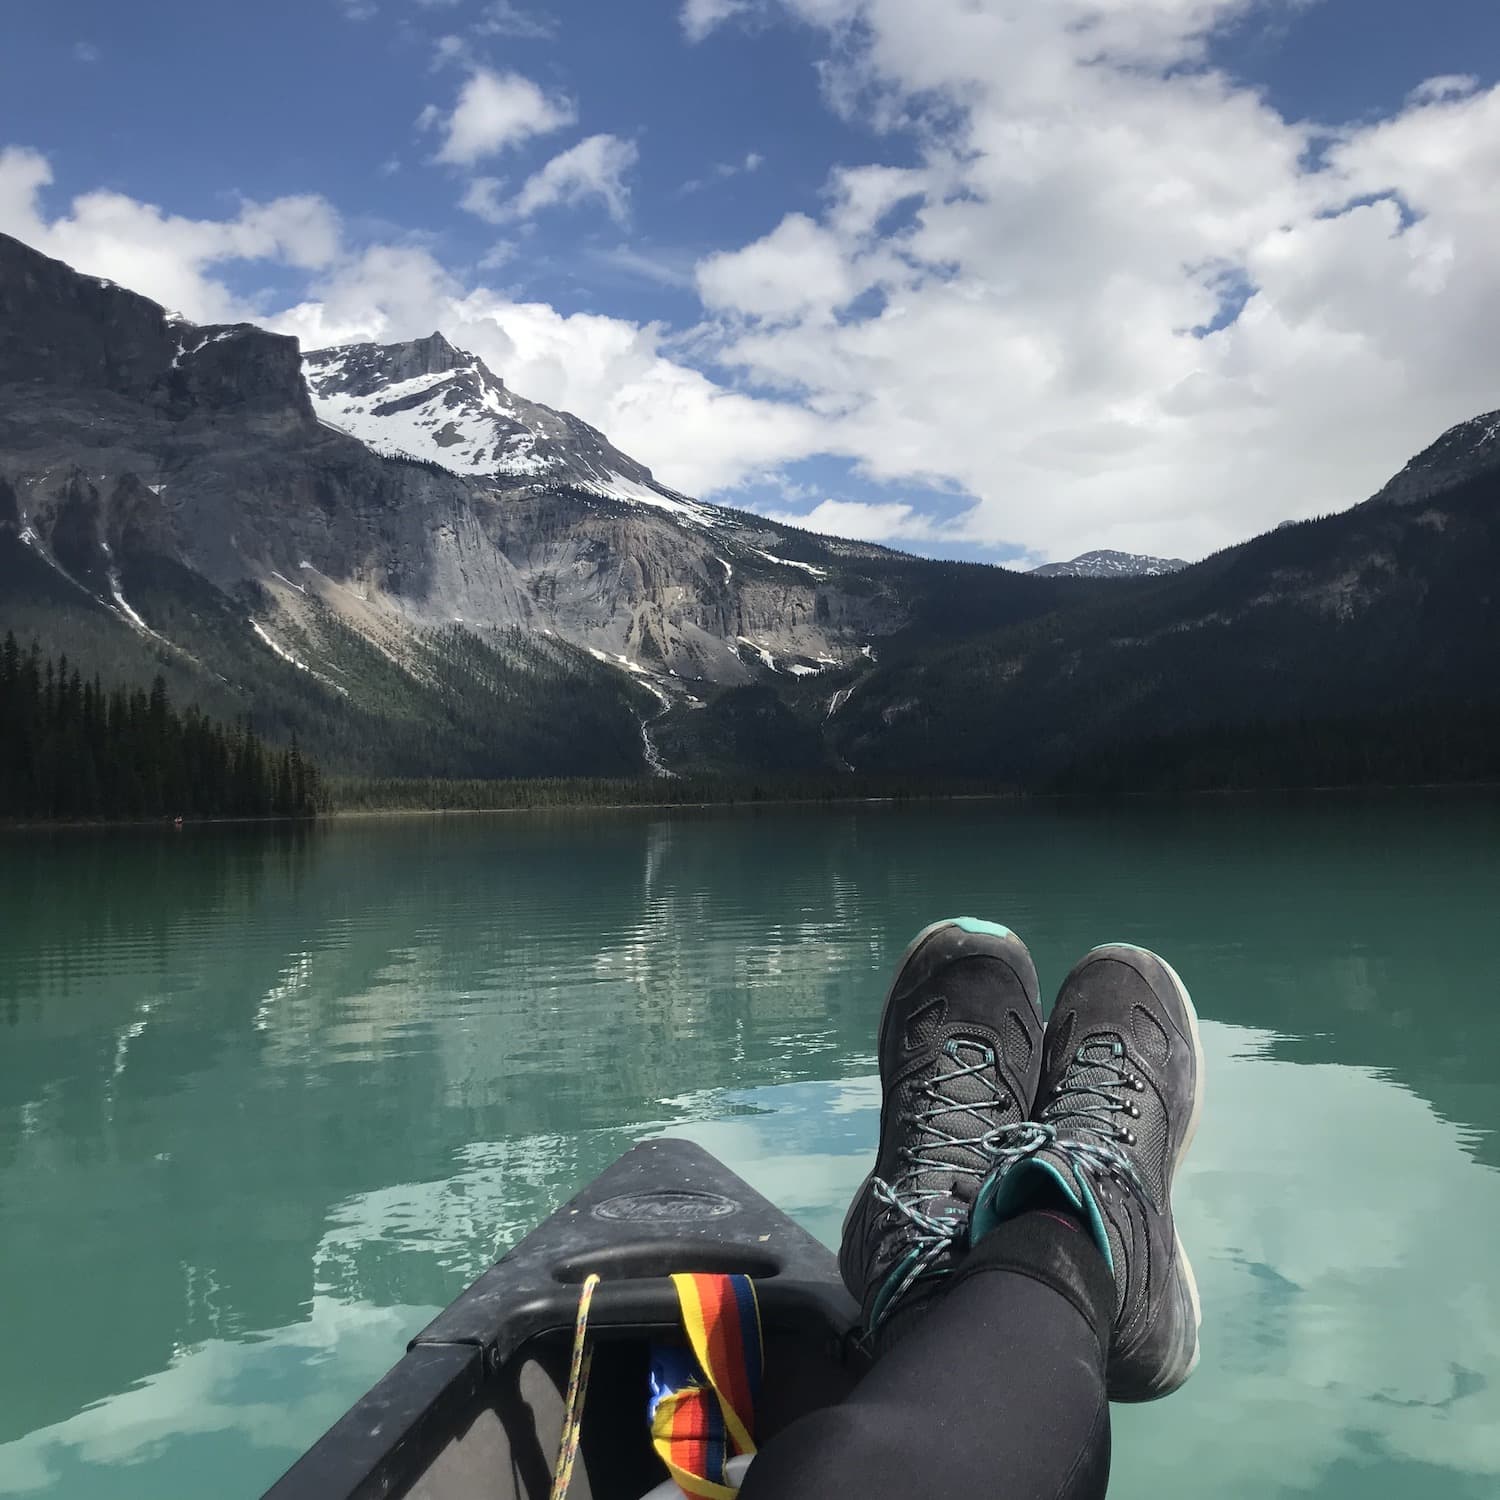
1121,301
165,256
800,269
495,111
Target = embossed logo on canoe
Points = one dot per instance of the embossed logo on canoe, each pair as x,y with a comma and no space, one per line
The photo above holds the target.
670,1205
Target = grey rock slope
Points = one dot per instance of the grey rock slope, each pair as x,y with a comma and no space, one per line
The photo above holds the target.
367,501
1471,448
1109,564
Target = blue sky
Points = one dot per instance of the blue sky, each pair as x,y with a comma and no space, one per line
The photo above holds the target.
964,283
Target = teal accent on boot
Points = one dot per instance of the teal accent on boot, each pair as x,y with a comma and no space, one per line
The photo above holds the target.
1031,1184
895,1283
978,926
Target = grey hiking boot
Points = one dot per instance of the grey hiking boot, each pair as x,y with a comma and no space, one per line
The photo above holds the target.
960,1051
1116,1109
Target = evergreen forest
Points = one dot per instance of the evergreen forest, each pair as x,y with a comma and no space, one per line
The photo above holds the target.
72,749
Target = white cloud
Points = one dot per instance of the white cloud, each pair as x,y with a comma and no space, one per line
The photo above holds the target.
1023,329
495,111
593,169
864,521
162,255
699,17
800,269
1447,86
86,52
484,199
358,10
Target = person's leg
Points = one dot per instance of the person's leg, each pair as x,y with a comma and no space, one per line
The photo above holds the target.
992,1385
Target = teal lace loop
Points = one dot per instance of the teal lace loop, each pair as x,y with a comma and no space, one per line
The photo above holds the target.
1081,1119
931,1236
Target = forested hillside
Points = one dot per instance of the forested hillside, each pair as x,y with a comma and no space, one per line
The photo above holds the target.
1386,616
72,748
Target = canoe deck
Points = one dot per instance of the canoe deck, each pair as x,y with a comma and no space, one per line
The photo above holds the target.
473,1411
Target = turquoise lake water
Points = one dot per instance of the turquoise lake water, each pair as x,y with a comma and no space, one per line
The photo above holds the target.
269,1099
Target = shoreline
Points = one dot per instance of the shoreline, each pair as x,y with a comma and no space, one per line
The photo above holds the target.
1017,795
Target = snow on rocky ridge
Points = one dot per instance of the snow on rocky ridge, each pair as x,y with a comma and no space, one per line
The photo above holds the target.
427,400
1110,564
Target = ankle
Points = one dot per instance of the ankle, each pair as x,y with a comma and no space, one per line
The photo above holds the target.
1052,1245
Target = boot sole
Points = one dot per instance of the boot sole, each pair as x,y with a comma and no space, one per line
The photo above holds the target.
1182,1151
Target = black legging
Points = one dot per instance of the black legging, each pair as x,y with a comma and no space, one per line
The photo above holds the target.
992,1386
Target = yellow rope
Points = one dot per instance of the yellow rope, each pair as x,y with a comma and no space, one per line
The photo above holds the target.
578,1384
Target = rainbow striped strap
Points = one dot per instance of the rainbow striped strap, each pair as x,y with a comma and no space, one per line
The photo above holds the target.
708,1418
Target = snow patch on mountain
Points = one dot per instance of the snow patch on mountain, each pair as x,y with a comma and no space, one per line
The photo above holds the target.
429,401
618,487
1110,564
419,418
787,562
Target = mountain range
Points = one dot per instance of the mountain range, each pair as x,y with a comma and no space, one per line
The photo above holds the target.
384,550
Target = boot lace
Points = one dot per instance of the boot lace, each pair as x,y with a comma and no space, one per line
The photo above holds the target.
1081,1120
931,1235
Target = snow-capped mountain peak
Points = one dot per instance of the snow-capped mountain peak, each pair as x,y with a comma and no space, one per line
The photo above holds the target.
1109,564
425,399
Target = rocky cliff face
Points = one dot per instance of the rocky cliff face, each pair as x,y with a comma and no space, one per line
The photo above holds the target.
394,492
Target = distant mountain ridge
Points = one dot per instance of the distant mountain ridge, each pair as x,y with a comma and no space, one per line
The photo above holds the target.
1465,451
1383,619
1109,564
386,551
